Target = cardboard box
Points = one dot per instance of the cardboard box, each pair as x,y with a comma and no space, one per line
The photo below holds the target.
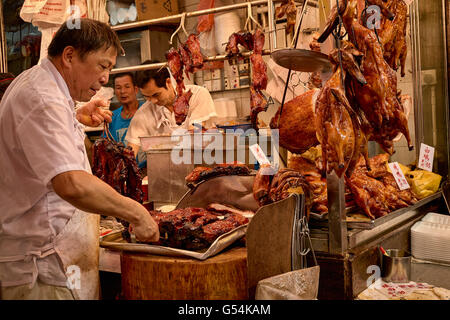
152,9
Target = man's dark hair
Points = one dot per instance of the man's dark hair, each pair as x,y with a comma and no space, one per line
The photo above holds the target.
159,75
120,75
91,36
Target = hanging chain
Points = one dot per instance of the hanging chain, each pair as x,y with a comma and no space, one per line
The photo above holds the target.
338,37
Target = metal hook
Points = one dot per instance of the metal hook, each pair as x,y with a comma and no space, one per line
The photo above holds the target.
299,82
181,26
292,80
250,17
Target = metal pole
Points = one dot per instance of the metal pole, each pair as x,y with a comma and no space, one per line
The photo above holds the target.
164,64
188,14
447,113
337,218
272,31
3,52
416,58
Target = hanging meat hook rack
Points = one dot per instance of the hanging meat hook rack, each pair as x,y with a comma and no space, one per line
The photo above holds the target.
181,26
250,18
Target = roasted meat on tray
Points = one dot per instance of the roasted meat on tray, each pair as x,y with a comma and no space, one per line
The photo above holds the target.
200,174
376,191
272,186
194,228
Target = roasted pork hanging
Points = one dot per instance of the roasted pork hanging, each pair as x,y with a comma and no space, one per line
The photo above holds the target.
189,58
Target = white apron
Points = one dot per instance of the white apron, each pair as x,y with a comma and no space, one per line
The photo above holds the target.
77,246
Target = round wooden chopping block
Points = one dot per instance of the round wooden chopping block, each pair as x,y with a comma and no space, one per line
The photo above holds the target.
152,277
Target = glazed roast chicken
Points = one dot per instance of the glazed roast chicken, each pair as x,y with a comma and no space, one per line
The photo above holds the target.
288,9
376,191
325,116
392,35
379,98
297,127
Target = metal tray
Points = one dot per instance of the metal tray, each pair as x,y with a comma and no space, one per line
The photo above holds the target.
114,241
302,60
322,221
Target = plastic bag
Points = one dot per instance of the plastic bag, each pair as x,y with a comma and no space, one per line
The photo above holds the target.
404,168
423,183
300,284
55,11
205,22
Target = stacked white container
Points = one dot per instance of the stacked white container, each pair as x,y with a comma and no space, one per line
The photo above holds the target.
430,238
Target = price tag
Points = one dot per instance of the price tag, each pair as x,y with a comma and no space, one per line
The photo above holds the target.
426,157
399,176
259,154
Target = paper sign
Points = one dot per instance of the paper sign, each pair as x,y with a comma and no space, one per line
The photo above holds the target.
426,157
259,154
399,176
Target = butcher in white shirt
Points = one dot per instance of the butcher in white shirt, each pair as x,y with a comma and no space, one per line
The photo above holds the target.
156,116
48,233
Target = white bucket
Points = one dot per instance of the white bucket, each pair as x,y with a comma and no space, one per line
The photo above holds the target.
224,25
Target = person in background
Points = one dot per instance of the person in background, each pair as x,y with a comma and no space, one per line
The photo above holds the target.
49,236
156,116
126,92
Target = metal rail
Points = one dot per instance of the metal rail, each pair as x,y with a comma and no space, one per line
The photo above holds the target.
175,17
164,64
